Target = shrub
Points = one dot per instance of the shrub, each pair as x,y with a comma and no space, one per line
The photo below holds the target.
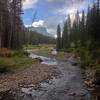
3,68
4,52
97,68
86,57
20,53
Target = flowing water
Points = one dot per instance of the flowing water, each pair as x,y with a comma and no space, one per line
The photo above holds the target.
45,60
69,85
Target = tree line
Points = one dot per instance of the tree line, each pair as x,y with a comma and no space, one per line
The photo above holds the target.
13,33
83,34
10,23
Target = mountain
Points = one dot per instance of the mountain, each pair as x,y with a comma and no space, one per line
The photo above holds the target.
41,30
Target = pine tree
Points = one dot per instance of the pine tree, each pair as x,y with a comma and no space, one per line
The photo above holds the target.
69,24
16,22
65,36
10,23
93,23
69,28
82,28
88,23
77,21
74,32
58,45
4,23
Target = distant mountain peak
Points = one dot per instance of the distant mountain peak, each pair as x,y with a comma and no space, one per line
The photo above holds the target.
41,30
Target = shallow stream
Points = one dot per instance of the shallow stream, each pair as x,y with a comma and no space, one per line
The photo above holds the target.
69,85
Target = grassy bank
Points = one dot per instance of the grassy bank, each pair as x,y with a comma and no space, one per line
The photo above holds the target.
46,49
43,48
13,60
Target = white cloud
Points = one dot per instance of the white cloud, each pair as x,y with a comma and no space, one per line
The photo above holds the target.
72,7
39,23
29,3
56,0
28,25
69,10
51,24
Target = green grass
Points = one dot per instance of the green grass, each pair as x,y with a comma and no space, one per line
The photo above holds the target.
18,61
43,48
31,46
39,46
87,59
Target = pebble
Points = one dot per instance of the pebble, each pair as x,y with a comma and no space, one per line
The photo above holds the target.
82,94
31,85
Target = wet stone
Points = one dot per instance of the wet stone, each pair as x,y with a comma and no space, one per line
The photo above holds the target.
91,89
72,94
31,85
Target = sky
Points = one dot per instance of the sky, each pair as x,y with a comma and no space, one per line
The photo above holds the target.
50,13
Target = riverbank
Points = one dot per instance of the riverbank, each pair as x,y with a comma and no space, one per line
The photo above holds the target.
33,75
17,69
46,50
92,81
12,61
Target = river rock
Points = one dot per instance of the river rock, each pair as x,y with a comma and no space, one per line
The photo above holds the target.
72,94
91,89
38,59
54,52
73,60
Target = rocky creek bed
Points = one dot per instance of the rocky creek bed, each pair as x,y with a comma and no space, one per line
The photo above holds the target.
65,84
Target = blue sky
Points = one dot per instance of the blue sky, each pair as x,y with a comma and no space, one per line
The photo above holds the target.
51,12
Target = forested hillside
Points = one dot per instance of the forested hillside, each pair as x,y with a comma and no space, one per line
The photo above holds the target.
82,36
